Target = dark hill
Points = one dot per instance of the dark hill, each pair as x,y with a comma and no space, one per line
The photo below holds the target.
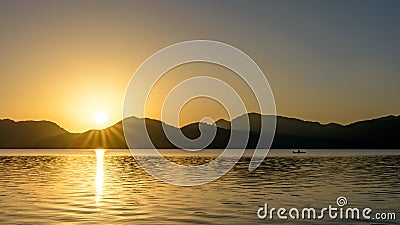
290,133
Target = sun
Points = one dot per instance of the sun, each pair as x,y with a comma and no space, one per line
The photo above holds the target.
100,118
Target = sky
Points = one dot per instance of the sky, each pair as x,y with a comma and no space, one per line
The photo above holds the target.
326,61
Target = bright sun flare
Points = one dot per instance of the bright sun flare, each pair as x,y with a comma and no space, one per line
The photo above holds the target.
100,118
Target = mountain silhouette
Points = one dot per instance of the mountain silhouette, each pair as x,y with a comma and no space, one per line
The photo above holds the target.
295,133
380,133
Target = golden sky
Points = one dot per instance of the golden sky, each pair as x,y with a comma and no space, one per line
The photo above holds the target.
65,61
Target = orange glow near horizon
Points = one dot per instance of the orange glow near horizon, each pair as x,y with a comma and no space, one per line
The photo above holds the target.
62,62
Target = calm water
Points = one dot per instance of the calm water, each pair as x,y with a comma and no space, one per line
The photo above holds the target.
89,187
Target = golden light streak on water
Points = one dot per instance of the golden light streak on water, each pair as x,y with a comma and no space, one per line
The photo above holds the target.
61,187
99,174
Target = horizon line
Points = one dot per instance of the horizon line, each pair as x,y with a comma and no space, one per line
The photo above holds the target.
119,121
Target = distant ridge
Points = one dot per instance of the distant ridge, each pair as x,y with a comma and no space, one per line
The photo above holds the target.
376,133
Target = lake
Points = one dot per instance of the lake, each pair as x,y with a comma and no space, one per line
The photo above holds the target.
109,187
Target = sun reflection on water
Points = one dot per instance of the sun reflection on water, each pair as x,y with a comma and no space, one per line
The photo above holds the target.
99,174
